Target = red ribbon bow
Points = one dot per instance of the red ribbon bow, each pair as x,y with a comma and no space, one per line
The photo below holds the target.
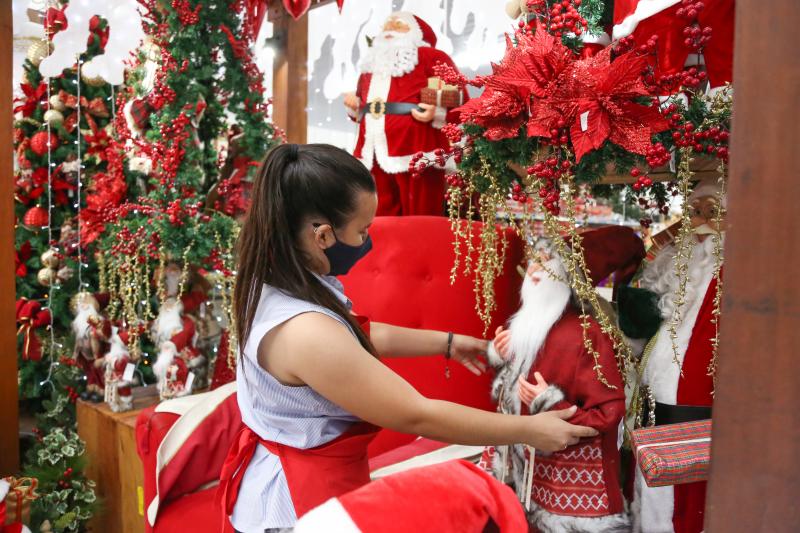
31,100
30,316
20,257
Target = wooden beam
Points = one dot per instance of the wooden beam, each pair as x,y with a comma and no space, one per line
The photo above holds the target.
9,406
755,472
290,75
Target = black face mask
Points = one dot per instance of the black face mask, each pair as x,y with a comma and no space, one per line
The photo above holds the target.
343,256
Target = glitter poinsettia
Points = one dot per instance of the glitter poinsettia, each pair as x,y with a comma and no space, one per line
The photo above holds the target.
598,100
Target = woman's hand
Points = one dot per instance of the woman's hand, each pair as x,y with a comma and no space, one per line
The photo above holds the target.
502,342
551,433
528,391
467,350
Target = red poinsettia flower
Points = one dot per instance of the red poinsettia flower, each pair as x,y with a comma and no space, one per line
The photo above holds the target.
98,142
33,97
609,109
20,257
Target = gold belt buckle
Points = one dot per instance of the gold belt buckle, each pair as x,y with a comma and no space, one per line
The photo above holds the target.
377,108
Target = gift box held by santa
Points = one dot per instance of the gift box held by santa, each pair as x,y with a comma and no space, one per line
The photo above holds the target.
393,122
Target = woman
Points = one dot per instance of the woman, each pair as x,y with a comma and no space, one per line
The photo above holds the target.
311,389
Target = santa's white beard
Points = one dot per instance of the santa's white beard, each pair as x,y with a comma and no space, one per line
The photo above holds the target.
117,351
165,357
168,323
394,56
80,325
660,276
543,303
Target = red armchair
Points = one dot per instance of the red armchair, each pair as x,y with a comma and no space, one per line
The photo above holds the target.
404,281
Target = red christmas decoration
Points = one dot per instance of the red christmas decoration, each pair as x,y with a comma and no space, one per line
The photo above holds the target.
31,316
39,142
35,217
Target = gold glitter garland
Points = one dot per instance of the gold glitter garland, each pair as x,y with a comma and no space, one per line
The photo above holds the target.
719,212
683,256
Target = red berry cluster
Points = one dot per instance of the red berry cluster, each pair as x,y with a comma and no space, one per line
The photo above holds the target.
518,193
550,171
712,141
559,134
452,132
657,155
450,75
186,15
642,180
72,394
419,162
626,44
696,37
690,9
564,17
64,483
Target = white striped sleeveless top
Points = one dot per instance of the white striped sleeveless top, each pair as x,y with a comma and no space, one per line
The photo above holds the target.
294,416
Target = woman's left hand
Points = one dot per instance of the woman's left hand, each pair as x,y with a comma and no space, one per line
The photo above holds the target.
467,351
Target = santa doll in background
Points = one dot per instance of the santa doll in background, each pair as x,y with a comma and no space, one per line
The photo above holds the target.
118,394
174,334
393,123
92,334
683,391
544,365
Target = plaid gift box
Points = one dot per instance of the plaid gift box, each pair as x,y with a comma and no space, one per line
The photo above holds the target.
440,94
673,454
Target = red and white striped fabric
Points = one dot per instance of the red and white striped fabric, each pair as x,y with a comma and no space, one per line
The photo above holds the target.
190,456
451,496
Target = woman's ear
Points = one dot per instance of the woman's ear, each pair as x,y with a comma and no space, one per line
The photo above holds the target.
323,236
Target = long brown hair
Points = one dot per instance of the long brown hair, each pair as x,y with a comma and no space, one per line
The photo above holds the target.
294,183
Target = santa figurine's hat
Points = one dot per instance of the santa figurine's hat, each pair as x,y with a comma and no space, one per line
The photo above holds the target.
422,31
607,250
708,187
450,496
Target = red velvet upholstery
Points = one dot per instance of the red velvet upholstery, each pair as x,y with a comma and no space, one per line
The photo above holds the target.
404,281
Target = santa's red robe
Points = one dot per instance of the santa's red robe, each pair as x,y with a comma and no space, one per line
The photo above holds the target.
387,143
95,342
679,508
644,18
577,489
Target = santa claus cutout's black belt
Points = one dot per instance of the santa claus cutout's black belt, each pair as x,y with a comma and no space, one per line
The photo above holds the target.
377,108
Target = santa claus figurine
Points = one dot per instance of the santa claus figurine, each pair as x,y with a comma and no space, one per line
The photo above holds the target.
178,328
92,334
544,365
682,390
393,123
118,394
172,373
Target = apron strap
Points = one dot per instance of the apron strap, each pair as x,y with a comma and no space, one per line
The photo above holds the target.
241,452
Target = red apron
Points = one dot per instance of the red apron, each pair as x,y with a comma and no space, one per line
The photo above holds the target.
314,475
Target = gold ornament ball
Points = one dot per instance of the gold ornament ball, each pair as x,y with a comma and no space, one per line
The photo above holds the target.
57,103
50,259
46,277
53,117
97,81
38,51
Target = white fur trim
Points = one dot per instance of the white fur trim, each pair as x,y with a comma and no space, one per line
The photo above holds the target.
644,10
547,522
448,453
590,38
493,356
439,117
4,486
546,400
653,507
204,405
331,516
412,23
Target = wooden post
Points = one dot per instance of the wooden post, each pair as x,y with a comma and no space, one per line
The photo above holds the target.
9,410
755,471
290,74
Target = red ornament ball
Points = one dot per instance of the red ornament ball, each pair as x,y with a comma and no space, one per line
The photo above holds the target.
39,143
35,217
